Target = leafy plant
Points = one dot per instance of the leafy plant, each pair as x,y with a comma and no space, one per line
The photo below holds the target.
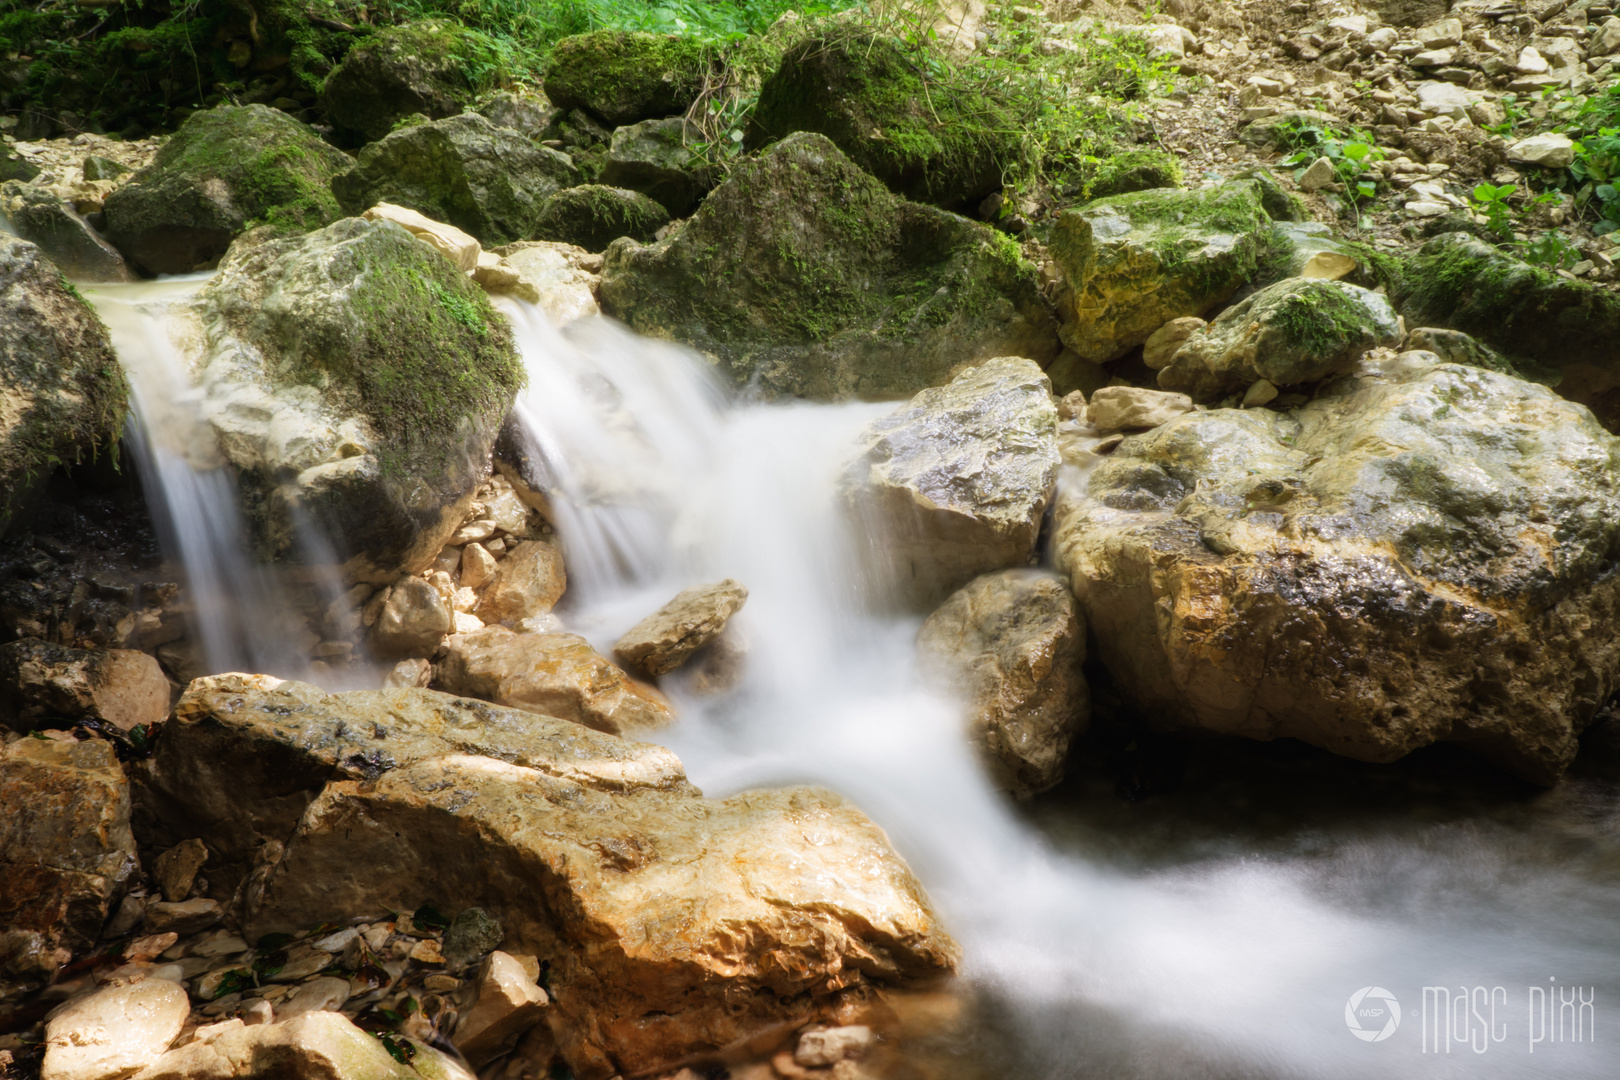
1597,166
1350,153
1552,250
1491,200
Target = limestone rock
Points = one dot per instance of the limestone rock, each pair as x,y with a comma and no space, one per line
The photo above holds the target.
622,77
485,180
1132,263
37,215
312,1046
45,685
829,1046
356,377
1126,408
1416,555
662,641
1549,150
1308,249
412,622
185,917
1318,175
1135,170
592,216
768,278
1162,344
471,935
13,166
527,584
1299,330
115,1031
225,170
396,72
508,1004
1456,347
955,483
1011,644
66,851
523,111
408,673
461,249
555,674
564,275
176,869
658,158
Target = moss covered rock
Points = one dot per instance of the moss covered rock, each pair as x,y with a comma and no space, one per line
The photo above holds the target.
658,159
1131,263
621,77
224,170
803,275
13,166
435,68
592,217
354,375
1135,170
1460,283
1297,331
78,251
62,394
486,180
931,142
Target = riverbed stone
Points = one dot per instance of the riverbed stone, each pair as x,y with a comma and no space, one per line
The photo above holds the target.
659,158
418,67
115,1031
508,1004
592,216
412,622
564,275
955,483
623,77
664,640
46,685
1419,554
316,1044
527,584
1132,408
39,216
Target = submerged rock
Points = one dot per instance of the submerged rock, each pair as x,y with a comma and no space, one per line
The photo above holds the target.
417,67
955,483
564,276
664,640
357,378
1422,553
621,77
592,216
45,685
1012,644
226,170
78,251
802,275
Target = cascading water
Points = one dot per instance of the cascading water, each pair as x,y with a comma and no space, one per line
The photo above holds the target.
1205,958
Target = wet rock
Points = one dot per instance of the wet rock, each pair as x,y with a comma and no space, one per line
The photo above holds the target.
355,377
38,216
555,674
462,249
508,1004
413,621
486,180
1370,572
62,394
829,1046
658,158
592,216
66,851
1132,263
1012,644
114,1032
318,995
954,484
564,276
417,67
1456,347
768,278
324,1045
45,685
621,77
407,673
1127,408
184,917
664,640
1299,330
224,170
527,584
472,935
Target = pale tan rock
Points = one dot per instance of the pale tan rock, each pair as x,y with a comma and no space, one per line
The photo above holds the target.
144,949
184,917
1162,344
40,681
413,621
449,241
1011,644
1319,174
554,674
478,566
1260,392
318,995
407,673
1324,265
564,277
494,276
311,1046
662,641
1131,408
177,868
508,1004
829,1046
528,582
117,1030
1073,406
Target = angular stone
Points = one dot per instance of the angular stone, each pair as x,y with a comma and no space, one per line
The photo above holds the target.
407,673
1011,644
508,1004
829,1046
1443,99
461,249
524,112
13,166
37,215
1127,408
1308,249
658,159
176,869
115,1031
186,917
413,621
327,993
1371,572
622,77
45,685
662,641
1162,344
554,674
955,483
312,1046
1549,150
1319,175
564,276
527,584
472,935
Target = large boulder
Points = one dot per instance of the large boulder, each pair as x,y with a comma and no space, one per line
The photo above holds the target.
591,216
1420,554
931,141
486,180
672,925
224,171
48,685
1131,263
354,376
434,67
1458,282
115,1031
38,216
556,674
1011,644
621,77
659,159
955,483
802,275
62,393
13,166
1299,330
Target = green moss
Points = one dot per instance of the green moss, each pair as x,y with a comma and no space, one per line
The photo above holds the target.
1320,318
1135,170
622,78
592,216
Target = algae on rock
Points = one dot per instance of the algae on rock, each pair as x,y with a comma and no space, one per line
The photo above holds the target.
592,216
1135,170
622,77
434,67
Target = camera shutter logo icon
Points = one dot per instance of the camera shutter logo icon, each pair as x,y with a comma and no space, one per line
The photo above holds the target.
1372,1014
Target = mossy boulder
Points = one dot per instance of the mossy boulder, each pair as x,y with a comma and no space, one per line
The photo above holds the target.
78,251
13,166
1131,263
1299,330
803,275
225,170
658,159
621,77
356,377
435,67
592,217
1460,283
62,393
1135,170
932,141
489,181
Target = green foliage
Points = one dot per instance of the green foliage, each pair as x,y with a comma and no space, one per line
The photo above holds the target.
1597,166
1135,170
1551,249
1351,154
1492,201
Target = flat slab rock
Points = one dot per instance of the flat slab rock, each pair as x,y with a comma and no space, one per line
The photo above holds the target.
664,640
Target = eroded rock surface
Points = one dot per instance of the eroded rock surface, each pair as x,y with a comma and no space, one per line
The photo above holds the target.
664,640
45,685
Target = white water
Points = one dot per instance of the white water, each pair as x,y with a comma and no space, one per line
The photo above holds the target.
1233,964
